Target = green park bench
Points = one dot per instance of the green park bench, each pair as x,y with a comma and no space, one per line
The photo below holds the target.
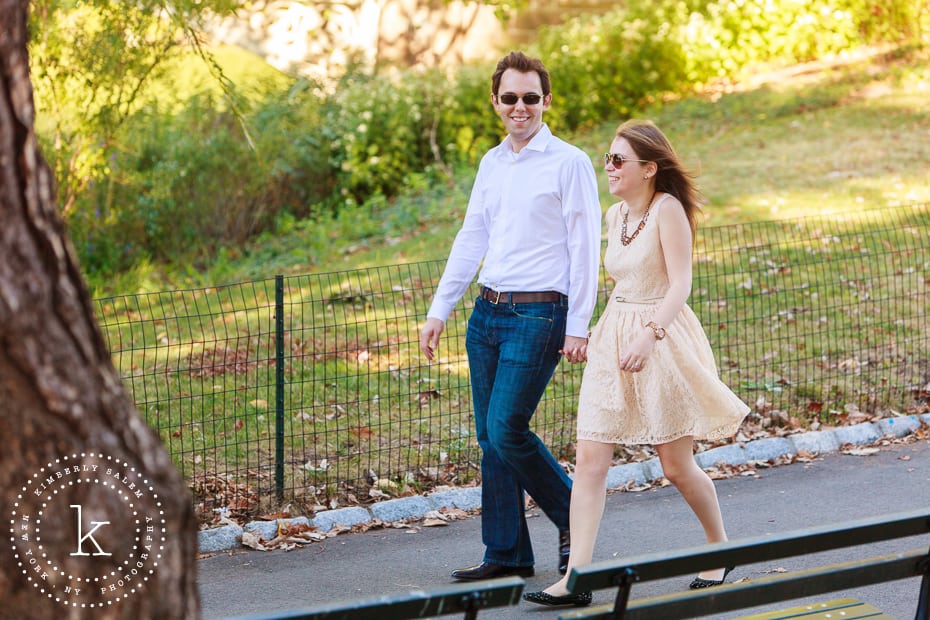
622,574
466,599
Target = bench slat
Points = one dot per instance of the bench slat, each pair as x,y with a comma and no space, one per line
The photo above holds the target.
845,608
459,598
796,584
604,612
647,567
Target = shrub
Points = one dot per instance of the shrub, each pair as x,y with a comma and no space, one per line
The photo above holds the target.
610,65
383,129
181,184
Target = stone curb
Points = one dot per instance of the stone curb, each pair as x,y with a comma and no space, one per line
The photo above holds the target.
229,537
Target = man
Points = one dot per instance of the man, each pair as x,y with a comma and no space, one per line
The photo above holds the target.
534,219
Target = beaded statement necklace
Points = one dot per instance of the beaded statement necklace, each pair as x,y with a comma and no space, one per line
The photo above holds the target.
627,240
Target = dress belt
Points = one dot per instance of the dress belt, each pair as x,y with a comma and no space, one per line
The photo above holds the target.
496,297
629,300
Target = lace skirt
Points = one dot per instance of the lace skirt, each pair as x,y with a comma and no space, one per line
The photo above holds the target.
678,392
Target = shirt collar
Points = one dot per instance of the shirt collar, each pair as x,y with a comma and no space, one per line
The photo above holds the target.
537,143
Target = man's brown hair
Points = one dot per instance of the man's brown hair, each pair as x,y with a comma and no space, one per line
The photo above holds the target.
518,61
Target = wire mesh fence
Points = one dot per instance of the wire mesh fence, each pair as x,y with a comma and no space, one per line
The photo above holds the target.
312,388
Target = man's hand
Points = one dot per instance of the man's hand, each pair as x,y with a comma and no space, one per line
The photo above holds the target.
575,349
429,337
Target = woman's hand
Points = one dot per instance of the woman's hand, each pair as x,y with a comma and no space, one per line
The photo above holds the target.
637,354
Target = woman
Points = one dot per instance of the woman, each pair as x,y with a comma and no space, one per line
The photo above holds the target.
650,377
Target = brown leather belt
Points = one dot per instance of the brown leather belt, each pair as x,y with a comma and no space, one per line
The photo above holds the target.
496,297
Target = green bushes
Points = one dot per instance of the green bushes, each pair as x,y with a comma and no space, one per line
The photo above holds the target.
609,66
180,182
185,182
381,130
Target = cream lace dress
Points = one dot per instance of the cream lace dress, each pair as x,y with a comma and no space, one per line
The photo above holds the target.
678,392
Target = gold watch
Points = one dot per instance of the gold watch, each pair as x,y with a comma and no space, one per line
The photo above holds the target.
658,330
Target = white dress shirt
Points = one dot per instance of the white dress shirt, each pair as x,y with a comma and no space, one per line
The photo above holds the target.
534,217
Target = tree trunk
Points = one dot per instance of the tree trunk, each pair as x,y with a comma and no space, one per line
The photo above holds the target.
100,522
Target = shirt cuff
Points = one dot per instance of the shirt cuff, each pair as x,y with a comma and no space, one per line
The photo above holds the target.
576,327
439,310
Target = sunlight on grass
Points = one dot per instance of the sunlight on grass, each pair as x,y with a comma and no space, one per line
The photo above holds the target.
190,75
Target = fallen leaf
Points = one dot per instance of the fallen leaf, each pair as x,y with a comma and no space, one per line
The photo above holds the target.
362,432
323,466
254,541
386,485
862,451
425,396
454,513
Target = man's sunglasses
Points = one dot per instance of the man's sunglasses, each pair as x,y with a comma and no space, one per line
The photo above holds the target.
618,160
511,99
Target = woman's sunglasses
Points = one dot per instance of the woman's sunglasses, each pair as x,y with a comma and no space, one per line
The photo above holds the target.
618,160
511,99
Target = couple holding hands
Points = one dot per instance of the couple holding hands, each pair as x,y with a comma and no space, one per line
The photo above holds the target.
533,226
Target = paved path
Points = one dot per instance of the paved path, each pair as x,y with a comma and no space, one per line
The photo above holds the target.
833,488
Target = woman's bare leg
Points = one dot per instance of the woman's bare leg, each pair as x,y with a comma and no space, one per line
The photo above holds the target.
679,466
589,491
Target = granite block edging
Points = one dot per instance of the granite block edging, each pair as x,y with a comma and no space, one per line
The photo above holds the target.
229,536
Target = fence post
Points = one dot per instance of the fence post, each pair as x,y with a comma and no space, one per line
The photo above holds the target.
279,387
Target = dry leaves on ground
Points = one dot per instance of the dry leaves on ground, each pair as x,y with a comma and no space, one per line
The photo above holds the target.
293,534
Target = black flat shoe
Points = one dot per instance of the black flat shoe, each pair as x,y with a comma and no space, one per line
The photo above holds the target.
486,570
582,599
700,582
565,542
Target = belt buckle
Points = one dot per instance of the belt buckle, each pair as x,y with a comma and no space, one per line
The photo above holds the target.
497,300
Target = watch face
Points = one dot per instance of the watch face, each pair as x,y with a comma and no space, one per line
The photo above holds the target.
658,330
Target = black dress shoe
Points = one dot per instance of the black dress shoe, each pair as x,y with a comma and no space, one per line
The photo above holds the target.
700,582
582,599
486,570
565,543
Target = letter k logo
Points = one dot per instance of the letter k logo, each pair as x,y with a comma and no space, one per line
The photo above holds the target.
89,535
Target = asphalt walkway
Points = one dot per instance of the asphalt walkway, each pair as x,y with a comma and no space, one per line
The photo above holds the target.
832,488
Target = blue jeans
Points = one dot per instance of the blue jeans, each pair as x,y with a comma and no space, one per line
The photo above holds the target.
513,349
